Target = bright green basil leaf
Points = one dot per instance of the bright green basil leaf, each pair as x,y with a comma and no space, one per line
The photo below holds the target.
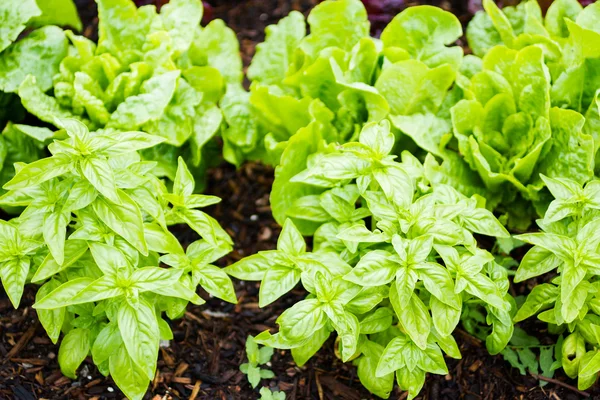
303,353
216,282
414,317
14,274
536,261
130,378
40,171
366,371
540,297
302,320
124,218
378,321
52,320
74,348
107,343
277,281
252,268
140,333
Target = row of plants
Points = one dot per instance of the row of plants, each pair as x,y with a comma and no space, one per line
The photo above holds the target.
487,143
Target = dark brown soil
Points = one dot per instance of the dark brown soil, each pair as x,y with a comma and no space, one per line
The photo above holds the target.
203,359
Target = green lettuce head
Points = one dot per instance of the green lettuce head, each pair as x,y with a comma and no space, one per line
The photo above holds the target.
533,106
325,76
509,133
344,78
159,73
37,53
569,37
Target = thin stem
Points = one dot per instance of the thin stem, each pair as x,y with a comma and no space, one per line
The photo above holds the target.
560,383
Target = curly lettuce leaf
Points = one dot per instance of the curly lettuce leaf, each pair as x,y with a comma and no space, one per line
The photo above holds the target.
149,105
122,28
355,75
181,18
176,123
505,130
556,14
572,152
335,24
424,33
39,54
415,94
274,56
279,113
57,12
240,136
217,46
14,16
45,107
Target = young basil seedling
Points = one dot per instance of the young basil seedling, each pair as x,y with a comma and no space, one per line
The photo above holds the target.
256,358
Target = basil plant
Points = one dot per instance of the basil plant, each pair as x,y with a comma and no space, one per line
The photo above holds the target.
394,265
160,73
570,303
93,232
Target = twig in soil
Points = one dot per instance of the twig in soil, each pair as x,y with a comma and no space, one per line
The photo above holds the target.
294,392
560,383
195,391
319,387
22,342
193,317
475,341
554,396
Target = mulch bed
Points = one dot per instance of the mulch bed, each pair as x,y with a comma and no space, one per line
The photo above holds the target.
203,359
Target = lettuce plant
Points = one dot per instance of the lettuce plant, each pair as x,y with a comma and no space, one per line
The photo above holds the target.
326,75
569,303
504,115
158,73
492,122
568,36
532,105
334,80
38,53
394,265
343,78
93,233
509,134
